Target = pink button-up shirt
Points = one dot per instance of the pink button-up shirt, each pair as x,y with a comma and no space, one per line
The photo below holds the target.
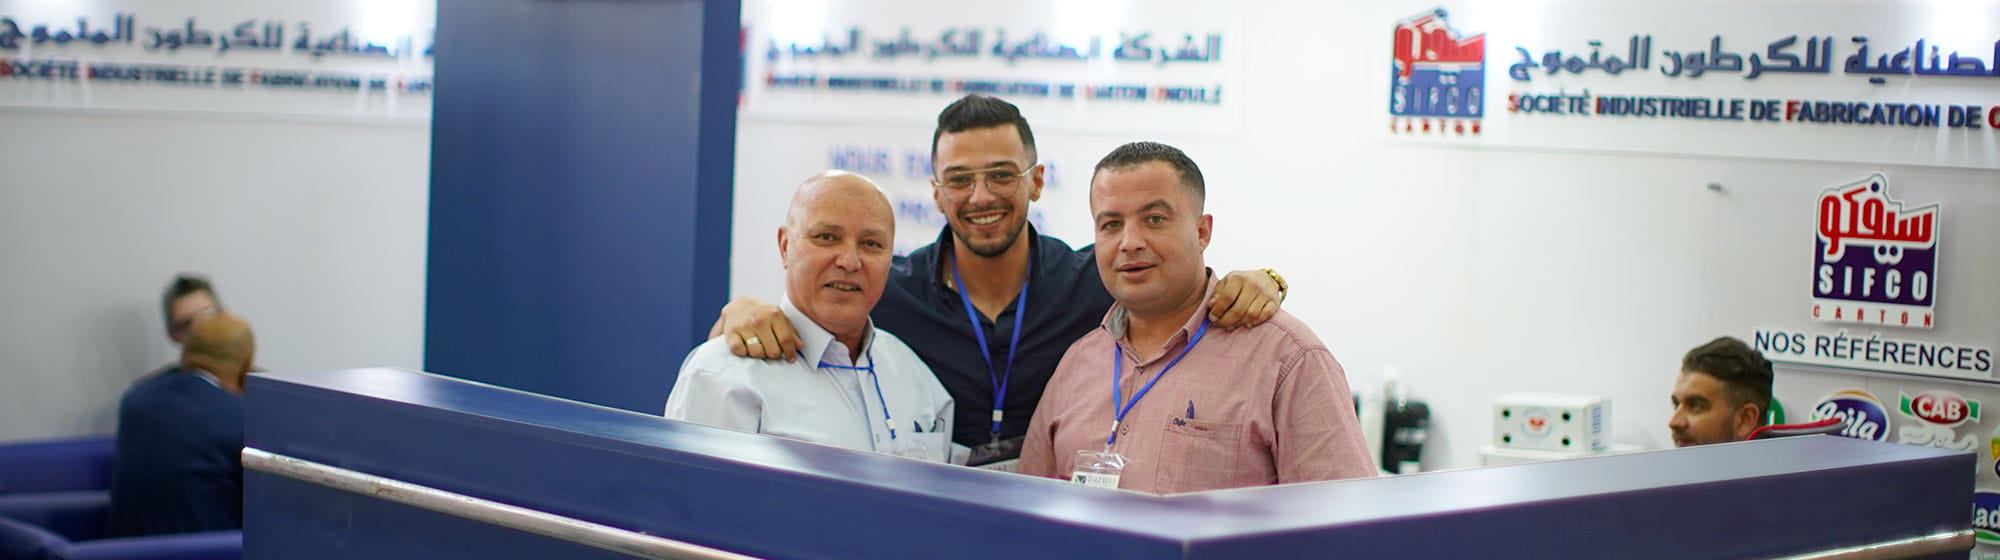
1249,407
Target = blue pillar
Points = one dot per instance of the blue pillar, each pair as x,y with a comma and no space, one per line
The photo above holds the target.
581,169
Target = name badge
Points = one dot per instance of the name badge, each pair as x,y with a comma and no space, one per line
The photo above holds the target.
1097,469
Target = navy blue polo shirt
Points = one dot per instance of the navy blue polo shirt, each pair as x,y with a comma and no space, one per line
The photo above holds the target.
1066,299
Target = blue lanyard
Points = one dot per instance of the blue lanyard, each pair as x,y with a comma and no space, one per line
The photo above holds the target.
1118,364
1020,310
870,368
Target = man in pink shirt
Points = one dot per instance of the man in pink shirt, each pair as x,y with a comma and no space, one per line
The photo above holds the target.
1154,400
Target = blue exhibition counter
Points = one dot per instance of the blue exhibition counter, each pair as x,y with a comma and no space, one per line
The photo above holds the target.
364,463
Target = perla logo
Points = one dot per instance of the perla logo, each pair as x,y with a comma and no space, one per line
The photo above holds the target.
1863,416
1986,517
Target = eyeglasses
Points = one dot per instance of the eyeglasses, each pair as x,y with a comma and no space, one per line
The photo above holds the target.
1000,180
182,325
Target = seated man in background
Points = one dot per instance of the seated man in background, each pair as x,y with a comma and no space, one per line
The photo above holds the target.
857,386
180,437
1722,393
189,297
1154,400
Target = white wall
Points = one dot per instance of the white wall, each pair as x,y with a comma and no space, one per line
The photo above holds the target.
306,204
312,228
1476,269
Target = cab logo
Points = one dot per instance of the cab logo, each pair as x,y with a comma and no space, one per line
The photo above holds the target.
1986,517
1437,77
1938,412
1876,261
1862,416
1941,408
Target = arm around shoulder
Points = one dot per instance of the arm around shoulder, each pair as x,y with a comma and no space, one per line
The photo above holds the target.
755,329
1246,298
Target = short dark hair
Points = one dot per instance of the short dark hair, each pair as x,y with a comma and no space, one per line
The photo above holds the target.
1140,153
184,285
1744,372
981,111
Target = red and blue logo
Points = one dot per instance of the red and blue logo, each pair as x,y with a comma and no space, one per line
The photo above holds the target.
1438,77
1876,261
1861,415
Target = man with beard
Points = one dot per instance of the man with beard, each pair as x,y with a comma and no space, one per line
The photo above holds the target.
1721,393
992,305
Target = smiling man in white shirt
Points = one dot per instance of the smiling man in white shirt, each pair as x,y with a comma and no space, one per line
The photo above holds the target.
857,386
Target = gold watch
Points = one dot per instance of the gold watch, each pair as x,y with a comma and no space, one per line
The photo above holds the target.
1283,288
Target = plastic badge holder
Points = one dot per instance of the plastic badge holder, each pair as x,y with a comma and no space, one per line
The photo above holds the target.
1097,469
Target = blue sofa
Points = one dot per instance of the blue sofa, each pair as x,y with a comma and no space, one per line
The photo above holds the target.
20,540
54,499
61,465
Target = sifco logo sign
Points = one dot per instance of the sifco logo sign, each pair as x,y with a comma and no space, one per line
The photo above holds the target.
1876,261
1437,77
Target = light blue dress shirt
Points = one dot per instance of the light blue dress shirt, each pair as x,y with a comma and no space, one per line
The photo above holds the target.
802,401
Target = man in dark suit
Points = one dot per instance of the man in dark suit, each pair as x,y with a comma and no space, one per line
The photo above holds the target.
180,437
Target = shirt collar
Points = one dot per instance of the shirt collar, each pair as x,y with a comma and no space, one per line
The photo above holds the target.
1116,320
818,343
204,375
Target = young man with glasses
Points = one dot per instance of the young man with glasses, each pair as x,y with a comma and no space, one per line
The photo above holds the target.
993,304
188,298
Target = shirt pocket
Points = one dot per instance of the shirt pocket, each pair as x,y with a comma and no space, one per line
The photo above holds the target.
927,446
1199,455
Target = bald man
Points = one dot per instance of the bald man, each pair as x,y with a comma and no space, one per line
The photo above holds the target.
857,386
180,437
